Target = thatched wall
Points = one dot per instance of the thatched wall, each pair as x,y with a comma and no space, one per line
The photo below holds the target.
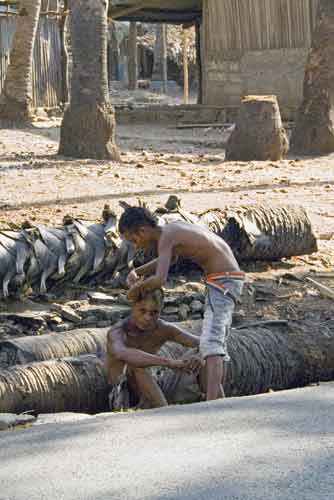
256,46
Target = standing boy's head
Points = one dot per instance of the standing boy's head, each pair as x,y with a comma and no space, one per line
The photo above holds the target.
147,308
139,226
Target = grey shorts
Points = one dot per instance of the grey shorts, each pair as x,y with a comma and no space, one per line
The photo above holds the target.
222,294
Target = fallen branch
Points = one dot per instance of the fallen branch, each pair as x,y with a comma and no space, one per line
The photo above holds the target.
324,290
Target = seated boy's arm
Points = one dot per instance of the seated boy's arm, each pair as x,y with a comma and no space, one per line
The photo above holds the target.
180,336
117,350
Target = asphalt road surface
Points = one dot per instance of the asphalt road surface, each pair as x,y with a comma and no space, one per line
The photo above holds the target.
274,446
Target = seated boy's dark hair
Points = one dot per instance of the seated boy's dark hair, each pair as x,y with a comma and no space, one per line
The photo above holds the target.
156,295
135,217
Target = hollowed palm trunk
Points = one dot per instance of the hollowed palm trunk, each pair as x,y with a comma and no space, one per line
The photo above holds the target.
314,131
88,128
16,98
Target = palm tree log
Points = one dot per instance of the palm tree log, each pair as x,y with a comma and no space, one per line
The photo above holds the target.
16,98
88,127
68,384
314,130
262,359
264,232
52,345
43,258
259,133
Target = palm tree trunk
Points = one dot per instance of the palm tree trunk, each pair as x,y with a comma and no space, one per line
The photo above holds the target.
68,384
314,131
262,359
88,127
16,99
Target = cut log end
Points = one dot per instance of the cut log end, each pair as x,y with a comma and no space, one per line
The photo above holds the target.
259,133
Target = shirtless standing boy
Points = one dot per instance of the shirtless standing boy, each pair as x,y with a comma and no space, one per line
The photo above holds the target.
134,343
223,277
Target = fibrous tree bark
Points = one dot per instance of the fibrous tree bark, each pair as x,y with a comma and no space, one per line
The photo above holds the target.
262,359
273,358
314,130
259,133
29,349
68,384
16,98
88,127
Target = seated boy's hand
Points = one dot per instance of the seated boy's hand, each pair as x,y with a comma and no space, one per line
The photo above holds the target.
132,278
176,364
193,364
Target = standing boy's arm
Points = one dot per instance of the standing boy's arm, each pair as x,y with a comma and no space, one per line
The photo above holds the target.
160,277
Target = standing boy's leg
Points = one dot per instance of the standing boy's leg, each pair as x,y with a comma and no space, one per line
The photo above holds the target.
216,326
214,377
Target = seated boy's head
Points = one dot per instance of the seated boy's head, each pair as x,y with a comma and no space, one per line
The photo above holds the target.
147,308
138,225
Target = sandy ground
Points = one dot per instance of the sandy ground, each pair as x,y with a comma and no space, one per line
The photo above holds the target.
156,161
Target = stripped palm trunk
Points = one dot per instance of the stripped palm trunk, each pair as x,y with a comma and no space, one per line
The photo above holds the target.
42,258
68,384
53,345
262,359
88,127
314,130
16,98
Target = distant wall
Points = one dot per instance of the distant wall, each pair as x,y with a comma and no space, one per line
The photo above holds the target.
256,47
46,71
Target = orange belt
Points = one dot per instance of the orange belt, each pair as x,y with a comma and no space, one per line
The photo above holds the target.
213,279
233,274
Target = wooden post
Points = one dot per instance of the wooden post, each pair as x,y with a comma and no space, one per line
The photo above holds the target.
159,73
185,68
199,63
164,58
64,54
133,57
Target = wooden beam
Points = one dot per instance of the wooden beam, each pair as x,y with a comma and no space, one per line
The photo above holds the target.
130,10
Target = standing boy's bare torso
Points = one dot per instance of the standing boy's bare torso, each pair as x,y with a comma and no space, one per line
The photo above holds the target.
195,242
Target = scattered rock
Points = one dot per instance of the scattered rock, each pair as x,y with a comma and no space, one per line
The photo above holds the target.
60,418
8,420
171,310
66,312
183,312
196,306
101,298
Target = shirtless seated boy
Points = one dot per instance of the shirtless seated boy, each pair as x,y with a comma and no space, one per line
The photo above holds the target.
223,277
136,341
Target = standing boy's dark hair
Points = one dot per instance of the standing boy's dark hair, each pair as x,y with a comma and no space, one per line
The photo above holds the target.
135,217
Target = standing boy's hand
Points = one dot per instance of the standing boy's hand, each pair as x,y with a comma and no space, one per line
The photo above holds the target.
132,278
134,292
